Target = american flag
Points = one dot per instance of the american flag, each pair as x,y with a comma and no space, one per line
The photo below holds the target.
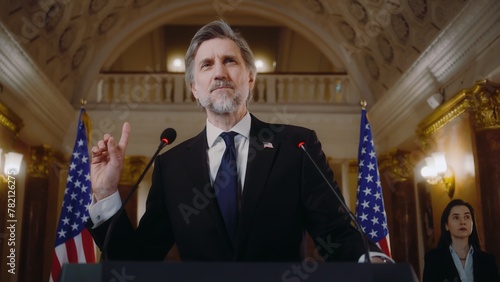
370,209
74,243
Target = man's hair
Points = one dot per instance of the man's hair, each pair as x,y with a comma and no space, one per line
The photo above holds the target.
217,29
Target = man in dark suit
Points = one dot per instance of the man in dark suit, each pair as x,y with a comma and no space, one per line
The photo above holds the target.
258,213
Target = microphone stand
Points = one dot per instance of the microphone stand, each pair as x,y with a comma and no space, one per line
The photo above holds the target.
339,198
111,226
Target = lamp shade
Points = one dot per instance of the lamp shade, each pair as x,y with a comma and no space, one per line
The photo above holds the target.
12,164
427,172
440,162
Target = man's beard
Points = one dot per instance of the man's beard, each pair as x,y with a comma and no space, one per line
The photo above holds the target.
222,103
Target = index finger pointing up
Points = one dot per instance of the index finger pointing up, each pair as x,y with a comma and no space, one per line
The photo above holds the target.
125,135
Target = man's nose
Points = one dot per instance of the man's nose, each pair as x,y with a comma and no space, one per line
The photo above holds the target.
220,71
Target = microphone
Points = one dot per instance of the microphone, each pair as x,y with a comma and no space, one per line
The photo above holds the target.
302,145
167,137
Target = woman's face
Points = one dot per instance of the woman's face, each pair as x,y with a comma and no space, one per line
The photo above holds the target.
459,222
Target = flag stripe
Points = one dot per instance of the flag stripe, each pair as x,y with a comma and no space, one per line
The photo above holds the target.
88,245
71,250
384,245
58,256
61,253
56,267
80,251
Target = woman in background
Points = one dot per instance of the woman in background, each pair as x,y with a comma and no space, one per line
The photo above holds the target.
458,255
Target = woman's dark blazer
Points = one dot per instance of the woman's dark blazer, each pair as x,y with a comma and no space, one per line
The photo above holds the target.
439,267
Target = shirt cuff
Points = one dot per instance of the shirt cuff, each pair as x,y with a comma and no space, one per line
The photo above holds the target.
102,210
376,254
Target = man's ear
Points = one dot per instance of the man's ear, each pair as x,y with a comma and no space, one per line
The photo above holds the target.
251,80
193,90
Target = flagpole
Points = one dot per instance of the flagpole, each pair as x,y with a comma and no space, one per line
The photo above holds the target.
85,119
363,104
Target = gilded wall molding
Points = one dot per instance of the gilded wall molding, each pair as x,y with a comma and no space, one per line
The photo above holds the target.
396,165
41,157
482,101
444,114
10,120
132,169
486,105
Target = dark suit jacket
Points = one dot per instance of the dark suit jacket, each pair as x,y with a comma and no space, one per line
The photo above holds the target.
283,196
439,267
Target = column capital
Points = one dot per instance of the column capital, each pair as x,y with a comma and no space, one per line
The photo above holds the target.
42,158
485,105
132,169
396,165
10,120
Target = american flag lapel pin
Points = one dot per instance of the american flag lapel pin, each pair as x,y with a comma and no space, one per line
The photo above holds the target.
268,145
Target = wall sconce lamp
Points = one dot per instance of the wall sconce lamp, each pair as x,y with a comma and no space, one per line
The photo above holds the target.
436,171
11,165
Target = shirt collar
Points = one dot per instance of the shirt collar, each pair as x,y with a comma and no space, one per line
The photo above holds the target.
471,250
242,128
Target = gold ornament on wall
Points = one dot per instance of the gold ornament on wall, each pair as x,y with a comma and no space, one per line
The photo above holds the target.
485,103
132,169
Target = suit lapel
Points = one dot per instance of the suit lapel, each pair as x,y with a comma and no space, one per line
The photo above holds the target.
259,164
196,163
452,271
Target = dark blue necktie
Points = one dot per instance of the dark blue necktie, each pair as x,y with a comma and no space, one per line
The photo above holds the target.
226,185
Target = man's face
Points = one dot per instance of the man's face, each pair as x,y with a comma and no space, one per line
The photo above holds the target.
221,83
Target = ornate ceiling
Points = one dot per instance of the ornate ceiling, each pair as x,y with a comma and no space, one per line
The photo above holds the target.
396,52
373,40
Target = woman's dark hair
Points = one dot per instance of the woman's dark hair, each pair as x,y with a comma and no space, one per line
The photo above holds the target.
445,239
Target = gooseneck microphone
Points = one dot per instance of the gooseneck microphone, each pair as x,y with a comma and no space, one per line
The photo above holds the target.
167,137
302,145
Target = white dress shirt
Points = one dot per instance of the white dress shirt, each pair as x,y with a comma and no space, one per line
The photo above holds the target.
217,146
466,272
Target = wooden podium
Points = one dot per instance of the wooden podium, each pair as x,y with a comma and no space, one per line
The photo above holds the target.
310,271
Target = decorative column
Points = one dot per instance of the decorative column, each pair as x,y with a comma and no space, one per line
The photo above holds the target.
39,213
396,175
485,113
132,169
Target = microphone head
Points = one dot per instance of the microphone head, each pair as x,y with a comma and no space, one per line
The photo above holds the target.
168,136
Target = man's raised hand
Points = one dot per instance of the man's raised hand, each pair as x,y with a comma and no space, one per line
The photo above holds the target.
107,163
